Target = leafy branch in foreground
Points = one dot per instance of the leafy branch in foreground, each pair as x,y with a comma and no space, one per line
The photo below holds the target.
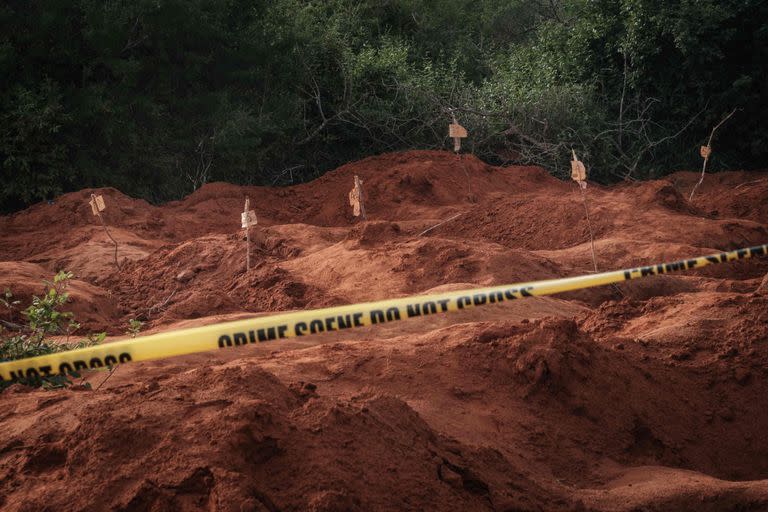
42,320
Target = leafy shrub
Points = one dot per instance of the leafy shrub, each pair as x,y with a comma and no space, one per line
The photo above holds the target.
158,97
42,319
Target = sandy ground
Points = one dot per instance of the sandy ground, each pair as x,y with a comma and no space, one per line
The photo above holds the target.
650,396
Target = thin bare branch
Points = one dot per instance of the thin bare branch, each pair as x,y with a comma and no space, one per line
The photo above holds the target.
706,158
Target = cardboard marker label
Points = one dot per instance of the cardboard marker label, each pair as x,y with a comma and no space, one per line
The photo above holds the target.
354,202
248,219
455,130
97,204
356,198
578,171
705,151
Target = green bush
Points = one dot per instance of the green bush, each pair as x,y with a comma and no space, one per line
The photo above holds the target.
41,320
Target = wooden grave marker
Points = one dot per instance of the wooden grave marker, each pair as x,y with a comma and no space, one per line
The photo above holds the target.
248,219
579,175
456,132
357,199
97,206
578,171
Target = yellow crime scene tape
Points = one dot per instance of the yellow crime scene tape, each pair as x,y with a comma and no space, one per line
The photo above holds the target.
301,323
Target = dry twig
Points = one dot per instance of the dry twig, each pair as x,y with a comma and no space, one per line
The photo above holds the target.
440,224
706,158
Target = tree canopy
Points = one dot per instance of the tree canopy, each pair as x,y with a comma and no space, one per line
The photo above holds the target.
158,97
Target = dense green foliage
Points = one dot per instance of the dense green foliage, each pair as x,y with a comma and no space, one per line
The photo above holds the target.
30,334
157,97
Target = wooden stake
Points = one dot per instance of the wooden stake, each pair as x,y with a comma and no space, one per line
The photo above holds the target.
247,236
248,219
706,151
246,225
440,224
361,195
579,175
589,224
98,206
458,132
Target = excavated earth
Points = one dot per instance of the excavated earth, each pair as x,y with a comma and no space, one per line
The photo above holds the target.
648,396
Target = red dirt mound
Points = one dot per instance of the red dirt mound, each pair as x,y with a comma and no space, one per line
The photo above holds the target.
257,449
741,195
645,396
555,219
206,276
91,305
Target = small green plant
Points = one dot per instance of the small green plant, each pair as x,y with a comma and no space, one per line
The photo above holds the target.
9,304
134,327
43,319
7,300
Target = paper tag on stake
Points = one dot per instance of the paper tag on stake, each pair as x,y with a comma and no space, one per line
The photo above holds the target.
578,170
354,201
97,204
357,199
705,151
457,132
248,219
